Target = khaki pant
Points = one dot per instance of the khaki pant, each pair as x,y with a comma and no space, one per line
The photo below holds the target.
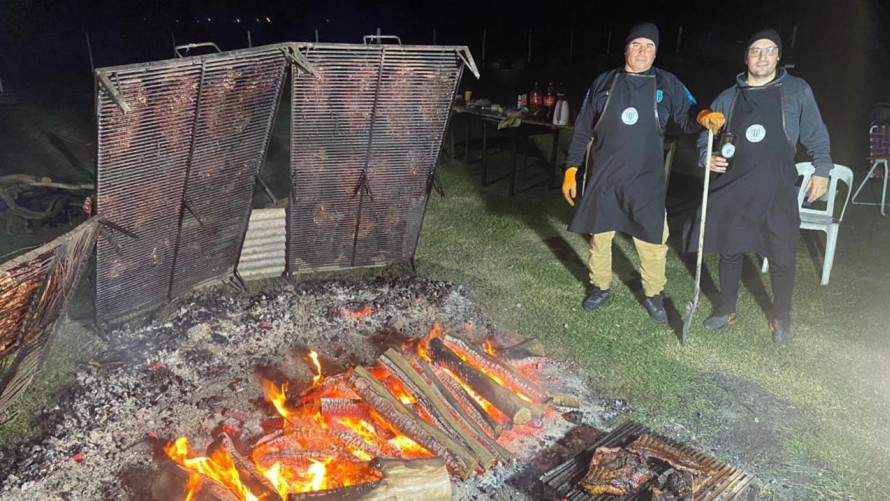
652,261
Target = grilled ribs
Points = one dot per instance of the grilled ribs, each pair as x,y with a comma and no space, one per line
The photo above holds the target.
617,471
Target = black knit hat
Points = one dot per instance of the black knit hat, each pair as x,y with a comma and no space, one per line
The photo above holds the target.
643,30
769,34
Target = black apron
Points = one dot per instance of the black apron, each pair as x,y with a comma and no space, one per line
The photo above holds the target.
753,206
625,190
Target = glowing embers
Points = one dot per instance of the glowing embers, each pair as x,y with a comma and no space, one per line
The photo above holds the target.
441,396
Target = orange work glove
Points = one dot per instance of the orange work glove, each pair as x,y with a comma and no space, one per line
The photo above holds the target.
570,185
711,120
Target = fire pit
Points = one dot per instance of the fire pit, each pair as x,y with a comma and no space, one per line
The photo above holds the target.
196,374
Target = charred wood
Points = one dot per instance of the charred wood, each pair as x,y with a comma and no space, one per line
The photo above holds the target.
172,484
251,477
501,398
486,421
405,480
433,404
529,348
458,458
494,366
343,407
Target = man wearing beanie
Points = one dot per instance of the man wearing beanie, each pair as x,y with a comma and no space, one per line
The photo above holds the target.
752,205
623,119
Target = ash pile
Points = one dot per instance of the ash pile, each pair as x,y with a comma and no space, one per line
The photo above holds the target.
199,367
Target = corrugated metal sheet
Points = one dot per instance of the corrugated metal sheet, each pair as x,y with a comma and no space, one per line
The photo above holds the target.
365,138
263,252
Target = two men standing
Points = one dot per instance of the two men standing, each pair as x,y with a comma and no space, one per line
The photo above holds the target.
752,206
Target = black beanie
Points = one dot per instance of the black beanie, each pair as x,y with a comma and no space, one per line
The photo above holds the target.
643,30
770,34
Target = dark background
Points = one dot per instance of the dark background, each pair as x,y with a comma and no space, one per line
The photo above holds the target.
841,46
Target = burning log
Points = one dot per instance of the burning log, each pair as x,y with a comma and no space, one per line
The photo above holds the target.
423,479
504,400
483,419
251,477
343,407
529,348
348,438
457,457
173,481
433,404
494,367
456,408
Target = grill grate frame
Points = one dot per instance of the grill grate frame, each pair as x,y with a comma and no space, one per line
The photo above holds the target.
178,170
365,139
561,482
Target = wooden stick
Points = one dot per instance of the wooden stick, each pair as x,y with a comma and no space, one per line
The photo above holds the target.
424,479
457,457
494,366
493,428
251,477
433,405
457,409
503,399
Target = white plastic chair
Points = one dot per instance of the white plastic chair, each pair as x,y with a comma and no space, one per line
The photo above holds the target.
879,152
822,219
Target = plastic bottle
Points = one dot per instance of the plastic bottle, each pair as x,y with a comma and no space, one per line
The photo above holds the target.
549,101
535,100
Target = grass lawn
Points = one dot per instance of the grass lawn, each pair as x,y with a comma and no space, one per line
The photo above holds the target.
809,421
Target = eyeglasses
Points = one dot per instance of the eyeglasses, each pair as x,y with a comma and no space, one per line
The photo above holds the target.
766,51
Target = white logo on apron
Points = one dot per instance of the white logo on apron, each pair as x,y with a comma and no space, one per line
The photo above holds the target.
630,116
755,133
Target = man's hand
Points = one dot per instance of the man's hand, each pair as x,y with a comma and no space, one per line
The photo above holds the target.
718,164
711,120
817,187
570,185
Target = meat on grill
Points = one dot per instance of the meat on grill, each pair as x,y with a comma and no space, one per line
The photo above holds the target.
616,471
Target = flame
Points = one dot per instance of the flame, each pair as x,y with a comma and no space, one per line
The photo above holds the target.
277,397
219,466
489,348
486,405
409,447
314,356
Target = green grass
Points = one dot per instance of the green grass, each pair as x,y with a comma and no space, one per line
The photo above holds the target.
831,381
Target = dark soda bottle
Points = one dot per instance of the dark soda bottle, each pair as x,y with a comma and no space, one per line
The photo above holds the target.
535,100
549,101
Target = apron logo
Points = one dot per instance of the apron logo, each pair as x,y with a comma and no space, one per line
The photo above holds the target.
755,133
630,116
659,96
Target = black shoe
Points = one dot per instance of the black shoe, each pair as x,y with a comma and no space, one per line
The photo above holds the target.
715,322
655,306
596,300
782,334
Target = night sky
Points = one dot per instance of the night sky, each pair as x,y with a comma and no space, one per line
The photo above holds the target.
841,45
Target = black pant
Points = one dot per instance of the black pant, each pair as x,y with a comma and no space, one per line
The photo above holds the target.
781,276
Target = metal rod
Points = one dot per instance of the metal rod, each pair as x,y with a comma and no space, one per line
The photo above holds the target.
90,51
249,40
679,38
316,35
609,43
266,189
793,36
434,36
173,39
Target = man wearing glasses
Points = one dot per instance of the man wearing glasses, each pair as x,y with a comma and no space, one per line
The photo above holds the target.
752,205
623,118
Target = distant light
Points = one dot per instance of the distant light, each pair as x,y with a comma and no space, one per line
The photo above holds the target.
257,19
237,20
208,19
268,20
177,20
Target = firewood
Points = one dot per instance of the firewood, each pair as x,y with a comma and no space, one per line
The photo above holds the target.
251,477
458,458
494,366
563,400
424,479
501,398
171,484
461,415
343,407
531,347
492,427
433,405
